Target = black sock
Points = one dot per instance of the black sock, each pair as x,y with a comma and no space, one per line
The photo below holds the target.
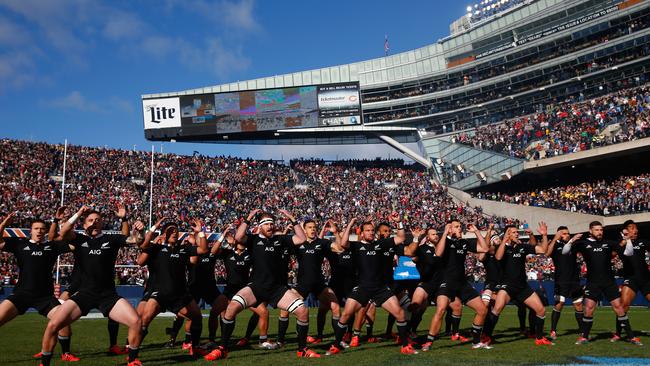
302,328
579,315
133,353
46,358
334,321
455,323
432,338
555,318
113,329
195,329
403,331
490,324
369,328
624,322
539,326
283,325
320,323
227,327
143,333
532,323
389,324
252,324
188,337
448,320
619,329
356,332
521,314
476,333
339,332
65,344
587,322
212,329
416,319
176,326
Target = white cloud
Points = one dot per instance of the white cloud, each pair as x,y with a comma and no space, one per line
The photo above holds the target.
75,100
122,25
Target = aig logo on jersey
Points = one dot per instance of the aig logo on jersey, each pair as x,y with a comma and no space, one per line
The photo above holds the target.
161,113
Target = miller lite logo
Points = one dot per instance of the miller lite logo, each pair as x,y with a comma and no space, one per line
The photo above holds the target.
161,113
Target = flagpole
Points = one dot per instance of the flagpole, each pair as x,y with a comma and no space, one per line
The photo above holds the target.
151,188
65,159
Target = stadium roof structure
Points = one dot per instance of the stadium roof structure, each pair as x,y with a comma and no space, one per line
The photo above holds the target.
413,96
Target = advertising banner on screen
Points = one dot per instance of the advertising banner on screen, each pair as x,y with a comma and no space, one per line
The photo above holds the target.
257,110
339,104
161,113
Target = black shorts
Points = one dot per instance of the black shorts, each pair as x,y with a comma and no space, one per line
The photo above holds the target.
88,300
431,288
208,293
518,293
343,289
23,301
231,290
492,286
378,295
146,295
405,285
464,291
595,291
270,295
172,303
637,285
72,287
571,290
304,289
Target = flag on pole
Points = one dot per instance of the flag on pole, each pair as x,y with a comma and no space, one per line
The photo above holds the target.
386,47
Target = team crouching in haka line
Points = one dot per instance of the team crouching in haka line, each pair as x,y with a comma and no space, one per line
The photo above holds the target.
256,255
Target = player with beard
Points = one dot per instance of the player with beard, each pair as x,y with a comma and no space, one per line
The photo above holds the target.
310,256
98,252
237,261
453,249
268,280
343,273
636,274
35,258
203,285
368,254
512,254
73,286
597,253
430,268
566,279
168,263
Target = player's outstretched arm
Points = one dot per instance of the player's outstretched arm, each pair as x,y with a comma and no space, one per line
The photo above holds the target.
199,235
345,237
440,248
240,235
52,234
3,225
299,236
411,248
542,247
481,243
67,229
149,235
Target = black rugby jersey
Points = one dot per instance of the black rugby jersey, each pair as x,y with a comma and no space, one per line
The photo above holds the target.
35,264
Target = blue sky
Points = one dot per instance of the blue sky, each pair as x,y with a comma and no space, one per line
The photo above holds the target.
76,69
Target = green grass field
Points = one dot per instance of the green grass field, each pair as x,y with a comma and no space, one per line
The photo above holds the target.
21,338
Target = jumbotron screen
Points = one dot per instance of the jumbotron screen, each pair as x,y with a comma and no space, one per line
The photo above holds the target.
255,110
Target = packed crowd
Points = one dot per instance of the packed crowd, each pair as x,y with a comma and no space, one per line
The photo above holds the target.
519,60
622,195
567,128
219,190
